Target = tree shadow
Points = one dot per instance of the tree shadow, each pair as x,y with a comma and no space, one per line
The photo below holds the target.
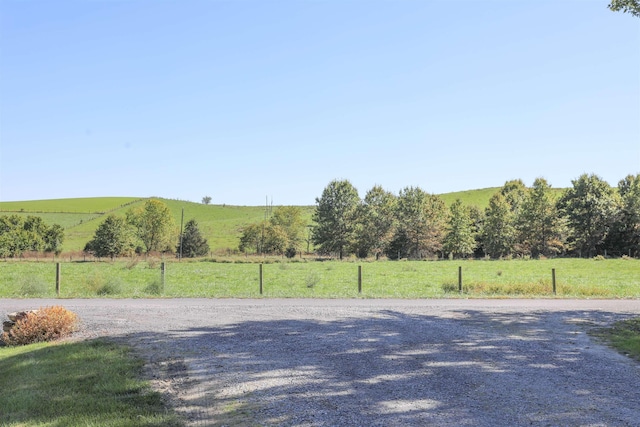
392,368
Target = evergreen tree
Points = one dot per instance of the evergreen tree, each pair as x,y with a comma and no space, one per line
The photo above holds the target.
193,243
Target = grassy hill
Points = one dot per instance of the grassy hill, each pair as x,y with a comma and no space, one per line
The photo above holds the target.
220,224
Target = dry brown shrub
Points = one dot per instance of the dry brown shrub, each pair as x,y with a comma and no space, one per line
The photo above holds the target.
46,324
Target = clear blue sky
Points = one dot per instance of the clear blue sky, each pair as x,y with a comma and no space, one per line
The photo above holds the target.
246,99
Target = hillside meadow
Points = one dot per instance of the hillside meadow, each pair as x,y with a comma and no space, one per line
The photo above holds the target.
302,278
220,224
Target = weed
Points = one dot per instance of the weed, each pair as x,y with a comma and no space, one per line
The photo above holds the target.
312,279
46,324
32,286
133,261
112,286
449,287
155,287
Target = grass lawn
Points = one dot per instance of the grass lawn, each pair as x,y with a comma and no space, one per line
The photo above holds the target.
575,278
94,383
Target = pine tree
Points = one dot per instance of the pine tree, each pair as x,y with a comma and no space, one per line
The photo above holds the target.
193,244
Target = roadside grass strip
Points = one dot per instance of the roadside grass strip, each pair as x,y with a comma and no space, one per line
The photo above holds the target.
94,383
624,336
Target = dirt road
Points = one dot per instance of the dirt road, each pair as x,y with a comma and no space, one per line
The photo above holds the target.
376,362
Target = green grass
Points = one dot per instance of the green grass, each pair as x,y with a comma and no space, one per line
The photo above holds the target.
479,198
576,278
79,205
624,336
94,383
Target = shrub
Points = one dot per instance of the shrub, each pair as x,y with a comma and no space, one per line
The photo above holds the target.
46,324
290,252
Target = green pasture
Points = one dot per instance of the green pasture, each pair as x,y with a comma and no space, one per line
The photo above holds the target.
79,205
575,278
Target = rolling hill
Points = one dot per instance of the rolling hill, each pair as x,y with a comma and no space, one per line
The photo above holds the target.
220,224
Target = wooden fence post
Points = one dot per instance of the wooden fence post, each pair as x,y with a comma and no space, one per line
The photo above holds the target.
460,279
260,278
58,279
162,273
359,279
553,279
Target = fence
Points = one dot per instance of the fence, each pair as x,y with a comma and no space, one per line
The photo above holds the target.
419,279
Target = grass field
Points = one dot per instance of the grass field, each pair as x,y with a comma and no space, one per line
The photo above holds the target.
92,383
575,278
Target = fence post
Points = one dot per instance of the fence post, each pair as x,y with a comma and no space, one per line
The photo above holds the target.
553,279
162,271
460,279
359,279
260,278
58,279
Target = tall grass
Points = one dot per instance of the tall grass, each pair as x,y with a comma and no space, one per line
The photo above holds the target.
576,278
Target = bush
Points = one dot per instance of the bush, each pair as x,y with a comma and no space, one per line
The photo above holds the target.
46,324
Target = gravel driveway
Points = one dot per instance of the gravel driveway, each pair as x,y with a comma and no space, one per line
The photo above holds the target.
376,362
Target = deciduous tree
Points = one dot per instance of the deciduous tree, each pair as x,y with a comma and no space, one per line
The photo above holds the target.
154,225
376,222
459,240
421,219
499,231
589,207
537,223
113,238
335,218
626,6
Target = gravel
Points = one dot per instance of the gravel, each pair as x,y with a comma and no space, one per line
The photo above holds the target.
375,362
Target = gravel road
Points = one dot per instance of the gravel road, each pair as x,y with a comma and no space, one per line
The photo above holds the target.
375,362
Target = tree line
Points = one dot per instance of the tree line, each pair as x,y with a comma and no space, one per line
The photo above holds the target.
589,218
31,234
145,229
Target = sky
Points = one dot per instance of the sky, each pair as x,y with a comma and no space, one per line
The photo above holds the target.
248,101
